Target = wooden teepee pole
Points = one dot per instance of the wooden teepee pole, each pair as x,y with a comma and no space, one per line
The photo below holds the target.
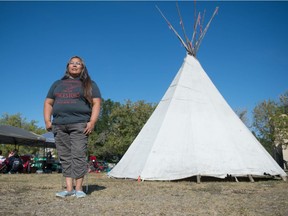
197,45
171,27
188,43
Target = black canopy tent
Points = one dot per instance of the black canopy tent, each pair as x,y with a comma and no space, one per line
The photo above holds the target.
18,136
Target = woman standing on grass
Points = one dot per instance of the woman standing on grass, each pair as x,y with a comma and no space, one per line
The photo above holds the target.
74,101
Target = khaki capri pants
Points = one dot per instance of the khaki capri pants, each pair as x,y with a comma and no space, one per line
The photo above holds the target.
71,144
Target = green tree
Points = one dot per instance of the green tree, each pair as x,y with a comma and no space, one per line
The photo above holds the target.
102,129
123,123
271,122
281,121
104,121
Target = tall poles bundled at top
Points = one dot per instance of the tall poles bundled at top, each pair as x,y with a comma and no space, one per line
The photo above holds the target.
191,46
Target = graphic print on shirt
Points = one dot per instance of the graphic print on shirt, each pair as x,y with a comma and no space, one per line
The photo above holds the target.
68,92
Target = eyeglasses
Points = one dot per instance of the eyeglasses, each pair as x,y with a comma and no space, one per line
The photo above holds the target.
75,63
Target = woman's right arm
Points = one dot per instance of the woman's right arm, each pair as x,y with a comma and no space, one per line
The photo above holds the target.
48,107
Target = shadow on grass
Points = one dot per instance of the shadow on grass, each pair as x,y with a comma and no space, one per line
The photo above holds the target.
93,188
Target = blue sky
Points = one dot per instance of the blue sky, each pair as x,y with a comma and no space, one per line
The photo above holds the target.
132,54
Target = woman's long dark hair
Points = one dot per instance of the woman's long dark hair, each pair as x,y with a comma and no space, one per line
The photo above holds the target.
84,77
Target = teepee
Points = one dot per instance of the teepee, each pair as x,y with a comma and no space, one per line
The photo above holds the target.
194,132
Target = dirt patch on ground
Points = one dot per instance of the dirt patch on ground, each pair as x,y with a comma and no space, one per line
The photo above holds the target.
34,194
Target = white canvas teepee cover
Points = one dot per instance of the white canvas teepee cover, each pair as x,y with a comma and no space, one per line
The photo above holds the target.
193,131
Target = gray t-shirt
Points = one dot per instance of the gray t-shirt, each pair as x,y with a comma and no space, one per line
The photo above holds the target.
70,106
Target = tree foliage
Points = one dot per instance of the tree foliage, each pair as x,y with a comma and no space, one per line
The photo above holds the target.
117,127
271,122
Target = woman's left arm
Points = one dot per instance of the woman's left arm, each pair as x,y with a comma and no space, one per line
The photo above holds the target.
96,104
